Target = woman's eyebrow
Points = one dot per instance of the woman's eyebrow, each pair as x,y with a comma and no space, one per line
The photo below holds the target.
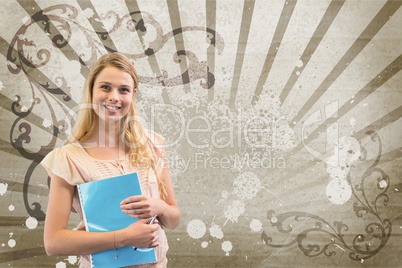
105,82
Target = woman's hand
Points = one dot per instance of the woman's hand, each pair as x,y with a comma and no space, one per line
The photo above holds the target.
142,206
141,234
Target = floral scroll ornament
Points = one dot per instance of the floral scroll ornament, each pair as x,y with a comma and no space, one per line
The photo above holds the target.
141,22
362,246
58,24
21,57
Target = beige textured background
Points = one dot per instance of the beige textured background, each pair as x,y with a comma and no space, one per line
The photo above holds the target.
282,121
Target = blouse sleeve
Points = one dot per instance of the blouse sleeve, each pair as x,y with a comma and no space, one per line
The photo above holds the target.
66,165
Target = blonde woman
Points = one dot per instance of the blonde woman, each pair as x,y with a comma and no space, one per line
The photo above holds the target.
107,140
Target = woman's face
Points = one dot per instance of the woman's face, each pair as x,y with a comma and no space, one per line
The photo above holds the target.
112,94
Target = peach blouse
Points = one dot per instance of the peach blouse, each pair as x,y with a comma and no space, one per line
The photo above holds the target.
72,163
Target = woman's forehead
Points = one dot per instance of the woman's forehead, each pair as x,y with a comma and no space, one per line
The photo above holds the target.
114,75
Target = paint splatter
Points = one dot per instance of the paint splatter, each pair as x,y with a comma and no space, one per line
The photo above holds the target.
299,64
3,188
72,259
88,12
227,247
11,208
46,123
346,151
383,184
234,210
255,225
1,86
31,223
338,191
196,229
11,243
246,185
216,231
61,264
204,244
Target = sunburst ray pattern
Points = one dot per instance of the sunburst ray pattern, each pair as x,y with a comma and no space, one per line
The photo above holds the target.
282,122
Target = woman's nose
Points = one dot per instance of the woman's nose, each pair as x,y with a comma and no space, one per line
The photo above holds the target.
113,96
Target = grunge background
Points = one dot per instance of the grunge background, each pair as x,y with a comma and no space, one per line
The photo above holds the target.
281,118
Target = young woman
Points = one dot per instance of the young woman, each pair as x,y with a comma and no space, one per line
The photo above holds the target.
108,140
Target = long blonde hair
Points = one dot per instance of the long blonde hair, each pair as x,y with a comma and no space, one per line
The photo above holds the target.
132,132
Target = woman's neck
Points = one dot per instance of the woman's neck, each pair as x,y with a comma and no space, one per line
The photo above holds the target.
104,145
104,134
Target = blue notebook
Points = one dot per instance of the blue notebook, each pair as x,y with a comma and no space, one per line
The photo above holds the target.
100,202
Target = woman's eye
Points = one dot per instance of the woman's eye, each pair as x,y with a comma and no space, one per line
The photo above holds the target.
105,87
124,89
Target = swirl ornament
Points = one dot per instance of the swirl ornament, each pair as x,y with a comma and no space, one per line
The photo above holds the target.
333,236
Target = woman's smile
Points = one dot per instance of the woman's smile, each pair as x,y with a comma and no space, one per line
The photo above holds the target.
111,107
